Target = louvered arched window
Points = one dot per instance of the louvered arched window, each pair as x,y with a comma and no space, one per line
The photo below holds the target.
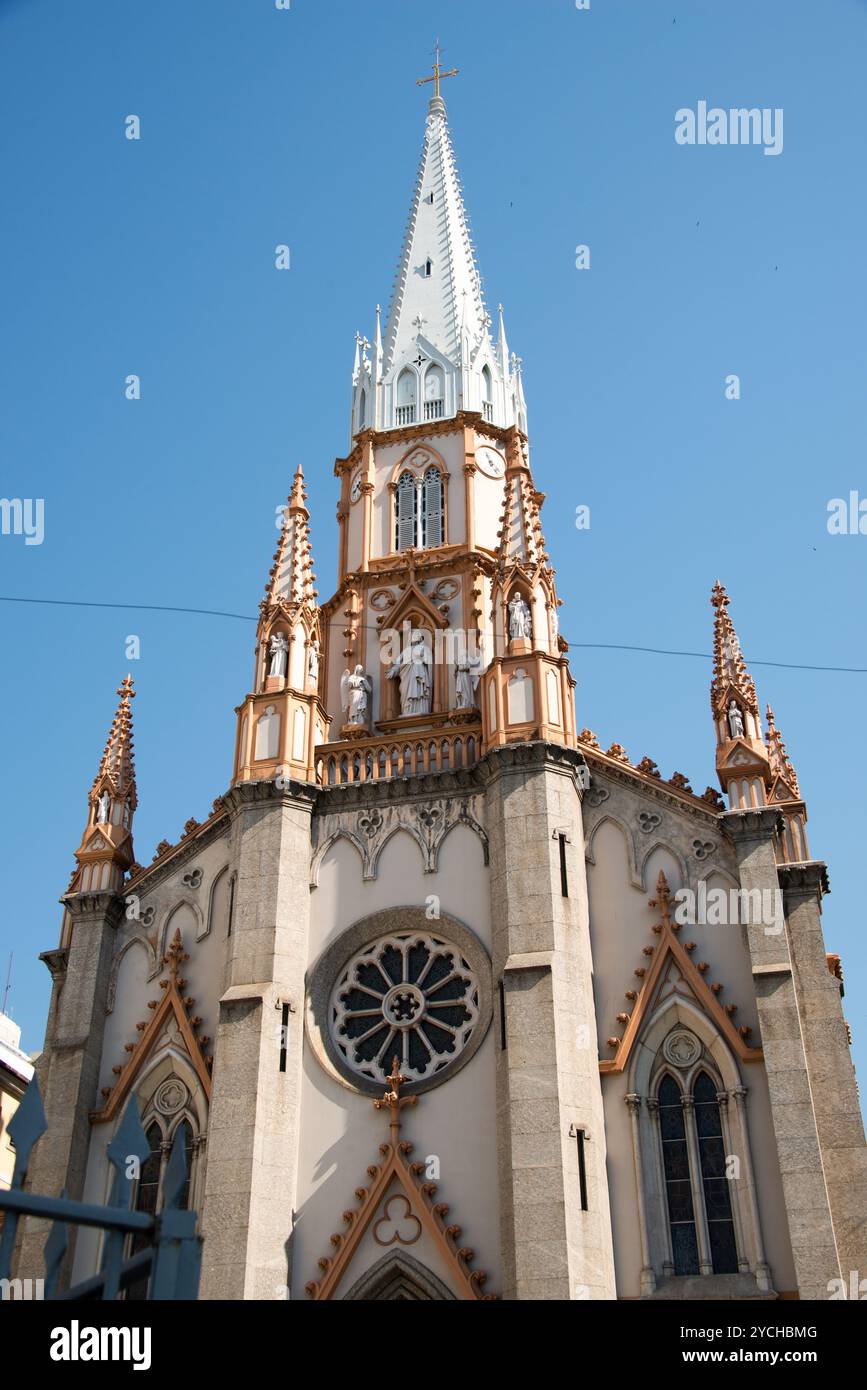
432,509
405,512
419,511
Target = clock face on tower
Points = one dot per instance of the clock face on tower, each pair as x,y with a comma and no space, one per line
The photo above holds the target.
492,464
355,490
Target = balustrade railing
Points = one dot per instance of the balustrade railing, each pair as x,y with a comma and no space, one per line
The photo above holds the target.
381,759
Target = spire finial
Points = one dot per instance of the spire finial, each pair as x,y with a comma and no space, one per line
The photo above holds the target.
729,667
438,73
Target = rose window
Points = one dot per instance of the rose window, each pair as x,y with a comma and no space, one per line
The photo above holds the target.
409,996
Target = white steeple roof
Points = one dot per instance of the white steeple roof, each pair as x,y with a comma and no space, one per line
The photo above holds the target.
438,291
437,355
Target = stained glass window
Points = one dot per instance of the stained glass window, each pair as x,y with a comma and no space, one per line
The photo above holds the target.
715,1183
675,1158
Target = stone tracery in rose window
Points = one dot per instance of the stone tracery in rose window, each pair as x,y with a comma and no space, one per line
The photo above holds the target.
412,996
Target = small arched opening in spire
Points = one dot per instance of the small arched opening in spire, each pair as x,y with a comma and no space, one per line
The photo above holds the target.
406,397
434,393
487,394
360,410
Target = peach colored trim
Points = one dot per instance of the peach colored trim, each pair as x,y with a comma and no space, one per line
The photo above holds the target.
670,946
420,1195
172,1002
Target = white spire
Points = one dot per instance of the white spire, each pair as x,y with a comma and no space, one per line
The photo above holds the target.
437,355
437,263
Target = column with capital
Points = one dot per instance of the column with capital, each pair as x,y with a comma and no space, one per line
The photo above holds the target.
799,1153
648,1278
705,1261
833,1087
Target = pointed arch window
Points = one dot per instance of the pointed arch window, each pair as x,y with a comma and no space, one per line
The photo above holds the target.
419,510
149,1189
715,1184
146,1198
487,394
406,397
432,509
406,507
678,1186
694,1170
434,393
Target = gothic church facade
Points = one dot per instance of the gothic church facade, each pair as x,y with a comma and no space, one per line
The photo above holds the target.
425,993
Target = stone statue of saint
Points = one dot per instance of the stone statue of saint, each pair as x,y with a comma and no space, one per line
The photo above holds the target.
736,720
279,654
414,670
313,662
467,674
103,806
520,624
355,687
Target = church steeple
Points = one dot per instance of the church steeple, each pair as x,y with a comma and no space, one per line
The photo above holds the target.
282,719
742,757
785,777
106,850
437,356
291,580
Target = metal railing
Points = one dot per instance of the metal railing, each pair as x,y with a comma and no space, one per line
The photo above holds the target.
171,1263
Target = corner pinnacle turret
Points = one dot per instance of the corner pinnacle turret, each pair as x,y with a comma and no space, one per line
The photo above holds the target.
106,850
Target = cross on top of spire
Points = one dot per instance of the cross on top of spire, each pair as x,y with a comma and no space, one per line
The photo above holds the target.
438,73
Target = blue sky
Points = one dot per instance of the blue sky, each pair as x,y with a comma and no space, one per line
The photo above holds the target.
262,127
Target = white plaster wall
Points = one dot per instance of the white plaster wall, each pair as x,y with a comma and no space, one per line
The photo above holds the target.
620,926
340,1130
488,496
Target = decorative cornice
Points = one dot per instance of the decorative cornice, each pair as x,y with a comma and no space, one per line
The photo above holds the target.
174,856
804,880
245,794
664,792
105,904
756,823
57,961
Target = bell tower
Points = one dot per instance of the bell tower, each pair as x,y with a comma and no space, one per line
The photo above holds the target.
443,654
442,639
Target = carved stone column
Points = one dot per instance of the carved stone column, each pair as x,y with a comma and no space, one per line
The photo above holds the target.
705,1262
805,1191
69,1066
548,1072
648,1278
833,1087
253,1123
762,1270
